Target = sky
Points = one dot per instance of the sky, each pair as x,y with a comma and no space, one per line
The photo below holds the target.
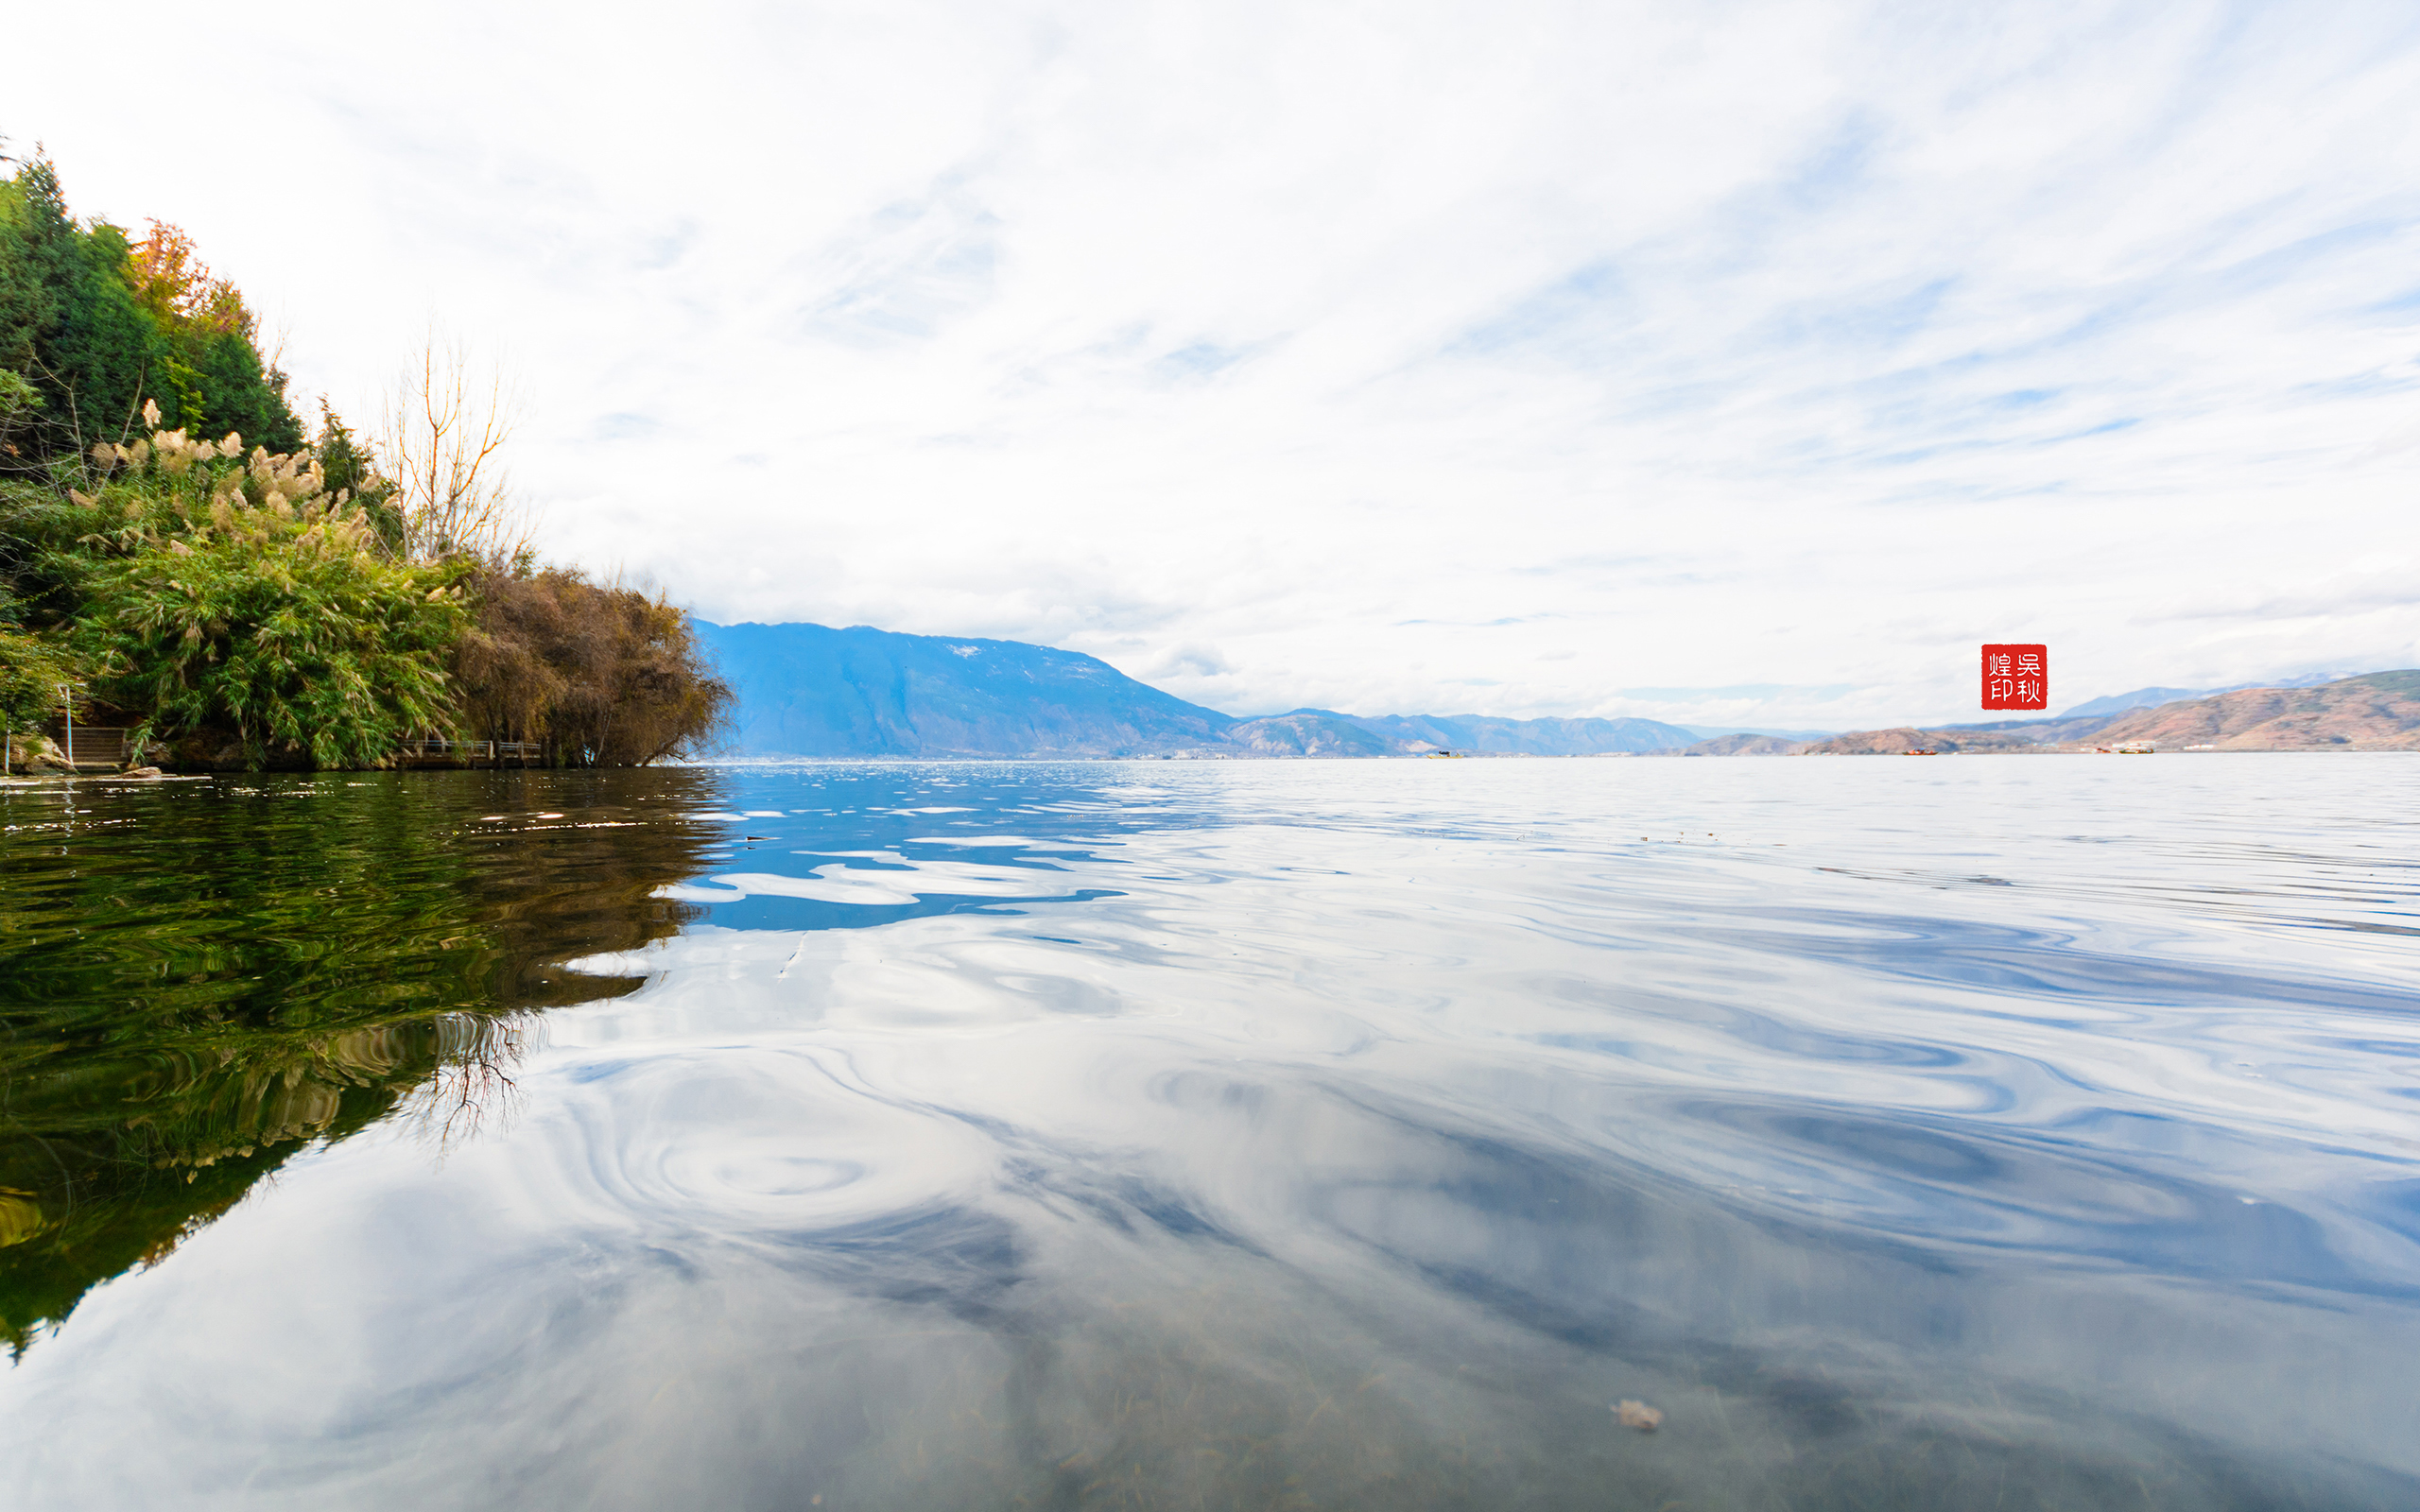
1723,364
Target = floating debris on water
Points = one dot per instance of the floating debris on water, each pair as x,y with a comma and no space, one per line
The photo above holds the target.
1638,1414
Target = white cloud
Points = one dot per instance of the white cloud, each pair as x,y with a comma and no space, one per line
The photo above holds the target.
1195,662
1426,357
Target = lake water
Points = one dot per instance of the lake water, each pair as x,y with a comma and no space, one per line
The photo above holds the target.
1979,1132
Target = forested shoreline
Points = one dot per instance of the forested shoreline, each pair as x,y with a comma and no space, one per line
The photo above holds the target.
240,589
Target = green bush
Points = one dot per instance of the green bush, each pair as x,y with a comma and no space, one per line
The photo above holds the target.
270,596
31,671
218,590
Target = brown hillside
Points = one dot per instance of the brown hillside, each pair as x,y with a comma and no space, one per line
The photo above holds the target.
2379,711
1742,746
1907,738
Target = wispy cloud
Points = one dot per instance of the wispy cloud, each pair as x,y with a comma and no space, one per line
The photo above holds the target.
1743,364
904,272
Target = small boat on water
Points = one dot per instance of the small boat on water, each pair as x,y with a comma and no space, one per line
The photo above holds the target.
1912,751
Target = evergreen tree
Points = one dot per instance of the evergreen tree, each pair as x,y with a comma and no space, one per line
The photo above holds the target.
98,324
168,539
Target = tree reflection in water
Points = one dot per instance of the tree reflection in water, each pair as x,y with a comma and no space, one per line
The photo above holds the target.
200,980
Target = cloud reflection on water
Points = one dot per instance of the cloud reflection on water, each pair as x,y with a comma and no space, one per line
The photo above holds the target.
1329,1132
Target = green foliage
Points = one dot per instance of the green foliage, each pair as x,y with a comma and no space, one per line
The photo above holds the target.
188,1001
96,324
31,671
293,641
217,591
349,466
268,598
34,233
19,400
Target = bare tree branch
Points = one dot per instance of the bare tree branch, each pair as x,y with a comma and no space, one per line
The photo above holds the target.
447,421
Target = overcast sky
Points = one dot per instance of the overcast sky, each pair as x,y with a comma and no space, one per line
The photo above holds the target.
1723,364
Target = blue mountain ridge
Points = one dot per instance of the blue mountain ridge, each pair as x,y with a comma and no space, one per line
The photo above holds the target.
1390,734
2118,703
810,690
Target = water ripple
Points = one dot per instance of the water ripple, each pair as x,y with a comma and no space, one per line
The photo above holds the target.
1947,1134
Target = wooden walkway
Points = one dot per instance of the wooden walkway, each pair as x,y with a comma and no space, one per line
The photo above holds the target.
104,748
468,752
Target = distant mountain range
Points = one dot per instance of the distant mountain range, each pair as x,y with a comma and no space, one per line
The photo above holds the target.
2377,711
810,690
2117,703
1326,733
1705,733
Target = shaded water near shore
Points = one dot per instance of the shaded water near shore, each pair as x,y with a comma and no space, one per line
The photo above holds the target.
1966,1133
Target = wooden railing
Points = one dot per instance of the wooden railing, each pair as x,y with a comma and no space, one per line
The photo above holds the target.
106,745
95,745
470,750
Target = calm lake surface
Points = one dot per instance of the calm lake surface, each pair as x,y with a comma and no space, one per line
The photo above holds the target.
1979,1132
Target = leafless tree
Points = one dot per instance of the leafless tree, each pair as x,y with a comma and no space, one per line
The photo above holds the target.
446,420
473,1081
